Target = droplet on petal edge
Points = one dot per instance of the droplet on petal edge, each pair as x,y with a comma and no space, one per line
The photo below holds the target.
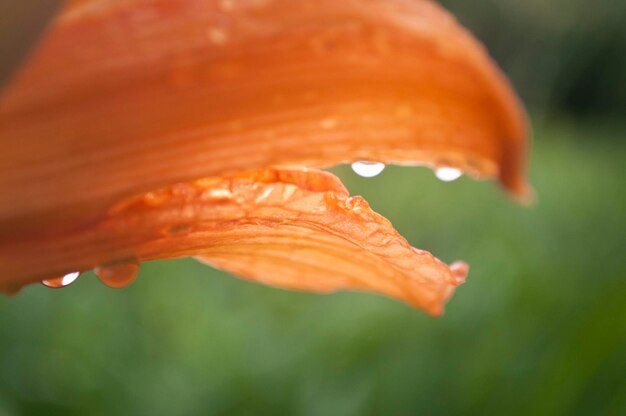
306,234
460,270
118,275
63,281
368,169
448,174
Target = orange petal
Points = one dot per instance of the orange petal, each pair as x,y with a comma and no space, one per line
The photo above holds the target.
286,227
125,96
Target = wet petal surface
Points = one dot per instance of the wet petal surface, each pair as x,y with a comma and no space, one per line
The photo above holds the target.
287,227
126,96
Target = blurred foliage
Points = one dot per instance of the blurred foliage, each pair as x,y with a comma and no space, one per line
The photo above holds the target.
564,56
539,327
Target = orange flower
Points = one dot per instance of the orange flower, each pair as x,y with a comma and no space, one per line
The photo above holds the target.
126,104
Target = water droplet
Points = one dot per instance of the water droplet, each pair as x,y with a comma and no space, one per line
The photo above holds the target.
459,270
356,202
217,35
329,123
154,199
118,275
220,193
266,193
227,5
368,169
448,174
65,280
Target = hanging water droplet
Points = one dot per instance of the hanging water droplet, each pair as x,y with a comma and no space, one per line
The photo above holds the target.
368,169
65,280
459,270
448,174
118,275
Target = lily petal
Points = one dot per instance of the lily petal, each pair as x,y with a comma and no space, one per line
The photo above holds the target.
126,96
287,227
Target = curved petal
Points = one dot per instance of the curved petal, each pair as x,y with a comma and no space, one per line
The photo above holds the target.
286,227
125,96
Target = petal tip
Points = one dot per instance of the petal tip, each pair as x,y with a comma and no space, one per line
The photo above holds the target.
524,194
459,271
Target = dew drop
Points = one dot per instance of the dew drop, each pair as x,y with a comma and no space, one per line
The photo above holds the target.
154,199
459,270
118,275
448,174
368,169
328,123
217,36
227,5
220,193
57,282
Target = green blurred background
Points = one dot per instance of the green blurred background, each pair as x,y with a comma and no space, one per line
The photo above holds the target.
539,327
